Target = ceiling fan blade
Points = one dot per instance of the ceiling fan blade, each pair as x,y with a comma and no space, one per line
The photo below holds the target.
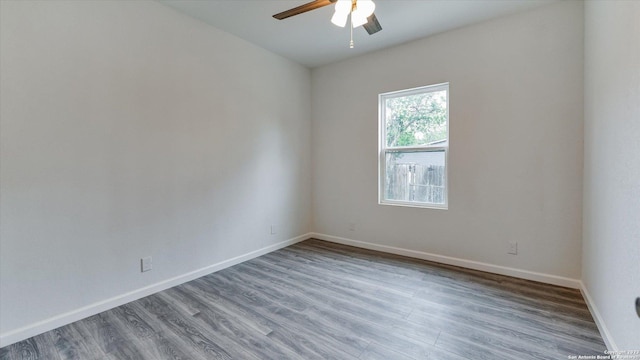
303,8
372,26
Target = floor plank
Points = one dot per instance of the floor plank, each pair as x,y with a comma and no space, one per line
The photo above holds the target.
319,300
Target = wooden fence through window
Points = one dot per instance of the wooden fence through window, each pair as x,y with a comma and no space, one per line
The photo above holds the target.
415,183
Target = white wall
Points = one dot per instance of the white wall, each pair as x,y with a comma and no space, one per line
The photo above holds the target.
129,130
611,257
515,164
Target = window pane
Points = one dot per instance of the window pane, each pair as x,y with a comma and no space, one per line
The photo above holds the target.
415,120
415,176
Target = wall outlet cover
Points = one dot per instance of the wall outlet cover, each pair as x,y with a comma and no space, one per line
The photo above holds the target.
146,264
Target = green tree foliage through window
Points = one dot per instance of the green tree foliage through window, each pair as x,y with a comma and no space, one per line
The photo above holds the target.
416,120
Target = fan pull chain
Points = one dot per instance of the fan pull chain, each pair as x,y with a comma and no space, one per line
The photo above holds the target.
351,43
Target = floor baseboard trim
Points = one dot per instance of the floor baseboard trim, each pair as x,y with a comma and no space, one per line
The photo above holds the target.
28,331
470,264
604,332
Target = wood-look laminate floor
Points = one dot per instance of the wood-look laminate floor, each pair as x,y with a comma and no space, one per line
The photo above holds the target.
318,300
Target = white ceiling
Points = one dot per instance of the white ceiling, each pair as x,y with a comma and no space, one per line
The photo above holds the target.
312,40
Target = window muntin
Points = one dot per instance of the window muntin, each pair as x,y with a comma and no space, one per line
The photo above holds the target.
414,144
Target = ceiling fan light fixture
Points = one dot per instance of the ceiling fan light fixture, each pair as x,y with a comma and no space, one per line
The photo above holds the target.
340,19
341,14
358,18
364,8
342,11
361,12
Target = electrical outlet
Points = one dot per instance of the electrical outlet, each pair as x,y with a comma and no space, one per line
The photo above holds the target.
146,264
274,230
352,226
513,248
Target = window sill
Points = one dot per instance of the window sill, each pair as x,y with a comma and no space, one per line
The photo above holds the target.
414,205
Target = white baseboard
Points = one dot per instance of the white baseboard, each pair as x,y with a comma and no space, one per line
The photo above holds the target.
470,264
40,327
604,332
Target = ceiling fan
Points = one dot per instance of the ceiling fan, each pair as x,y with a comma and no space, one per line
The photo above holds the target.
360,12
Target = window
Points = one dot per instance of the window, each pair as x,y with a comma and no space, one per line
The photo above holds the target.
414,144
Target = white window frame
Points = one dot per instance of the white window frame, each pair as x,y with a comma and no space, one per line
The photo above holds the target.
383,149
